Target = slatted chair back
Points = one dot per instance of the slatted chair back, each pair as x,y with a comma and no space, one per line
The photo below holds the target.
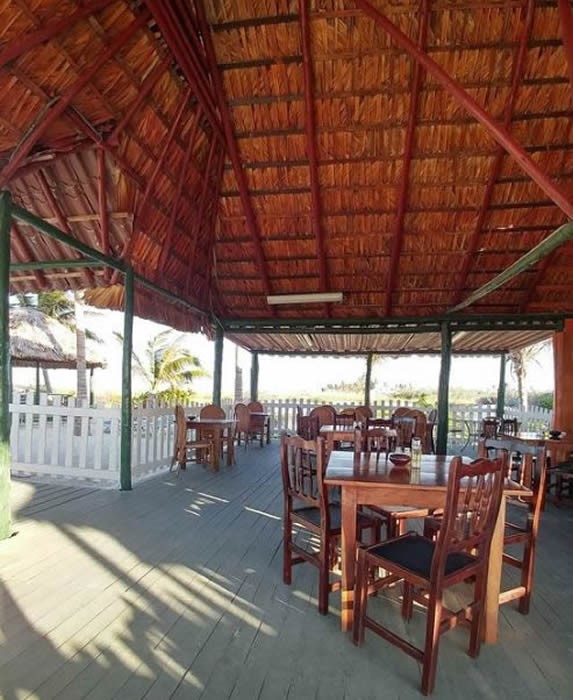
255,406
326,415
363,413
509,426
243,417
421,423
489,427
212,411
532,470
344,420
405,429
472,504
400,411
307,427
433,415
303,464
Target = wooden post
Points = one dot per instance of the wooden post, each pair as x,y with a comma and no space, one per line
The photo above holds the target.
91,387
563,362
255,376
444,390
218,368
125,450
37,391
368,379
5,460
500,409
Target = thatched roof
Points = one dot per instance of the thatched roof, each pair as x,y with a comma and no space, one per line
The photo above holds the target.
327,160
38,338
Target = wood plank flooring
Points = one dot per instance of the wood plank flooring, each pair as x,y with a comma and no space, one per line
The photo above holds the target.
174,590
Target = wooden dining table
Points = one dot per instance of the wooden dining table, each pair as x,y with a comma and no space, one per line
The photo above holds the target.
223,429
363,482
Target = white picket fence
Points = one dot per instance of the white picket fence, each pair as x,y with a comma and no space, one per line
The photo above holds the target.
62,439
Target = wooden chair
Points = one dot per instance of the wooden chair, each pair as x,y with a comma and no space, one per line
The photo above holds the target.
375,436
211,411
307,504
460,554
431,423
202,447
263,421
405,426
362,413
509,426
307,427
326,415
521,527
344,419
489,427
248,425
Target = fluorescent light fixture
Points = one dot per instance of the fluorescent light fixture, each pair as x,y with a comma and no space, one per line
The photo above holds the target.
314,298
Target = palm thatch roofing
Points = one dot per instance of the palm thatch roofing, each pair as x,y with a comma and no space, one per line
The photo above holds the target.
231,149
39,339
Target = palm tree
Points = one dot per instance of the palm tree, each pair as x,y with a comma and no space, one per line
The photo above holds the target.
520,361
167,366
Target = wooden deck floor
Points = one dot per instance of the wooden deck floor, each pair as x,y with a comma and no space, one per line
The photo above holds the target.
174,590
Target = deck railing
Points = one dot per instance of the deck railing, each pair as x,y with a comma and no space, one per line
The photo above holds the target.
59,438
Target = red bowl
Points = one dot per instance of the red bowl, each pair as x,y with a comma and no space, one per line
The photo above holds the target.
399,458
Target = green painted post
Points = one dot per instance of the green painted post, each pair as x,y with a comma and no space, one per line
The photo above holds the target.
5,459
368,379
500,409
443,391
254,376
218,368
125,451
37,391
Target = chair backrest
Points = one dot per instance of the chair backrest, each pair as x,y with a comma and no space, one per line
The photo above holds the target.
472,504
255,406
307,427
421,421
400,411
405,429
326,415
363,413
303,463
489,427
212,411
433,415
509,426
344,420
243,417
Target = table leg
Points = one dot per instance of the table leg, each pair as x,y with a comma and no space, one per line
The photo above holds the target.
230,447
494,577
348,551
268,431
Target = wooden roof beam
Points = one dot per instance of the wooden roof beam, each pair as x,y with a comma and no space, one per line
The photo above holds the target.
518,71
497,131
102,205
398,238
232,147
62,102
182,179
310,131
24,43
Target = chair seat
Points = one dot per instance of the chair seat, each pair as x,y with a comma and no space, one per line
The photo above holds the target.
312,514
414,552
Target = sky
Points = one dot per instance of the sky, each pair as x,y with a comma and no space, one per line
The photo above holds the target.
287,376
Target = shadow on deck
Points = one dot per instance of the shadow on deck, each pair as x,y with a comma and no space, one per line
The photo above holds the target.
174,590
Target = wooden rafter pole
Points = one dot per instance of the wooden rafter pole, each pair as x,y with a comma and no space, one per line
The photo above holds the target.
5,458
232,147
566,21
499,133
182,178
561,235
404,187
518,71
28,41
146,87
102,205
310,128
63,102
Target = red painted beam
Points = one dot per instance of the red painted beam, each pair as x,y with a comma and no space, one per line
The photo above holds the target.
30,40
232,147
518,71
310,128
146,87
182,178
181,49
499,133
566,21
62,103
404,187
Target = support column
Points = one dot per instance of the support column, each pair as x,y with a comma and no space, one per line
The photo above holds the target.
563,362
255,376
368,379
444,390
92,386
500,409
125,464
218,369
37,390
5,459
